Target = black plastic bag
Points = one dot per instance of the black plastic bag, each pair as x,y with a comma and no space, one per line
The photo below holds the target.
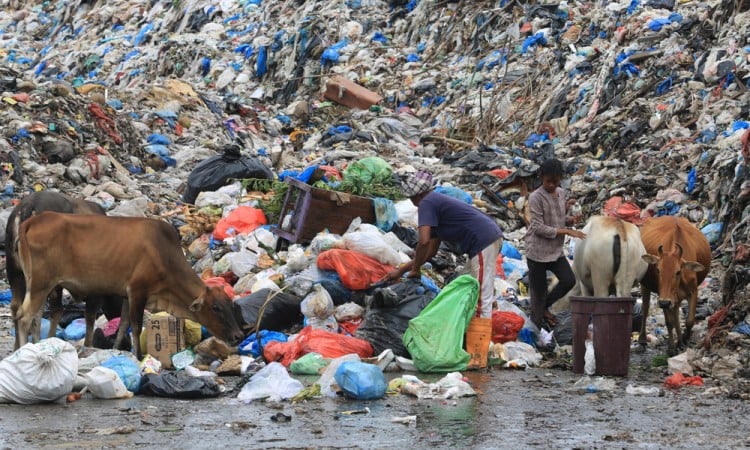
282,312
216,172
563,331
178,385
388,315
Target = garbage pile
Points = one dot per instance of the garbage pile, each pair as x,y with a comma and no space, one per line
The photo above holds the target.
194,112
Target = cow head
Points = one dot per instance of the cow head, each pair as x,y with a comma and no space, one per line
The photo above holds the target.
215,310
673,272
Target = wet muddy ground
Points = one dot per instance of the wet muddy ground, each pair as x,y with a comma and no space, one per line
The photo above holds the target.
537,407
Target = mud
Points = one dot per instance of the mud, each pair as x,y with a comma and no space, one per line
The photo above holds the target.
536,407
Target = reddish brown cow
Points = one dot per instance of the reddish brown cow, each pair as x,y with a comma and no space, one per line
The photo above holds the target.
137,258
679,257
32,205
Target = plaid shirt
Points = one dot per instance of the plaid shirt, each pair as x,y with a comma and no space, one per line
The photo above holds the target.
547,215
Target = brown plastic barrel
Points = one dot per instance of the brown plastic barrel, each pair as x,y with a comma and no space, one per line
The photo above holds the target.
612,318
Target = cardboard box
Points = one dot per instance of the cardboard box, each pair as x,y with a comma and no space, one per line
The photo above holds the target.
165,337
348,93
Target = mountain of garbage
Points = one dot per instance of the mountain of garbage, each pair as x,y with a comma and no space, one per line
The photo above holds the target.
646,102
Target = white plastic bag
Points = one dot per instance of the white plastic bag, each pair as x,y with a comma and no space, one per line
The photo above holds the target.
259,238
520,353
37,373
407,213
372,245
105,383
296,259
348,311
271,383
317,304
589,359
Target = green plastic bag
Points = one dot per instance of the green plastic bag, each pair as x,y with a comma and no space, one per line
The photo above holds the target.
435,338
371,170
310,364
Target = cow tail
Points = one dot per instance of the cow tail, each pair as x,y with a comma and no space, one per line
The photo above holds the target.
616,254
21,247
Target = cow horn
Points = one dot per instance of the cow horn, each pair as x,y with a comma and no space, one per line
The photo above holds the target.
679,249
661,250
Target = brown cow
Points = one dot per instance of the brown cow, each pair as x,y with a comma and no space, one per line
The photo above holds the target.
32,205
679,257
138,258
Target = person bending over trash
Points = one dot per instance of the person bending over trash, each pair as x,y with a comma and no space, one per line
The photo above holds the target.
444,218
545,239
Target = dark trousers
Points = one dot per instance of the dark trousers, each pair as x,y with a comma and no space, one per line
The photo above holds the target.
540,299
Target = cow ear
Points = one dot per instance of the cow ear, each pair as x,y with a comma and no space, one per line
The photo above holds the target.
694,266
651,259
197,304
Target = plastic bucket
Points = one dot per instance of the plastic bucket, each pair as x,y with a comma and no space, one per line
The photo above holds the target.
612,320
478,338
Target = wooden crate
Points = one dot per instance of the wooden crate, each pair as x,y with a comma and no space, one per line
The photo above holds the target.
314,210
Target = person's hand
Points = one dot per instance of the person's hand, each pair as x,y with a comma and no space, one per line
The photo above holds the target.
577,234
414,274
390,276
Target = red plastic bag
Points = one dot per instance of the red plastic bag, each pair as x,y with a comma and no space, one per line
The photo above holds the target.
628,211
499,271
242,220
505,326
331,172
677,380
357,271
310,340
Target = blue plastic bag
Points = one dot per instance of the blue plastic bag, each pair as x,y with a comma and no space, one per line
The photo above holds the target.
127,370
385,214
712,231
44,330
5,297
509,251
250,345
157,138
360,381
75,330
452,191
261,65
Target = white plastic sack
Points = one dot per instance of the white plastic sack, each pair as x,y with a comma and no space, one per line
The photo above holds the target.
37,373
407,213
105,383
396,243
372,245
272,383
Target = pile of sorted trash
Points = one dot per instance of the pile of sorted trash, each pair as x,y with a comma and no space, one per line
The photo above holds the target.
224,118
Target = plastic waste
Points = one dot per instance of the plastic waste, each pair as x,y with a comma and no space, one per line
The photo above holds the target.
589,385
271,383
127,370
318,309
327,378
309,364
75,330
250,344
105,383
373,245
179,385
649,391
38,372
360,381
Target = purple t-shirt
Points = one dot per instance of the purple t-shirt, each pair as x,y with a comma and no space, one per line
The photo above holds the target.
458,223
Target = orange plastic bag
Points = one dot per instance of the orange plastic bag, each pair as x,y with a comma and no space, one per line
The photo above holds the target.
221,282
357,271
242,220
505,326
677,380
311,340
